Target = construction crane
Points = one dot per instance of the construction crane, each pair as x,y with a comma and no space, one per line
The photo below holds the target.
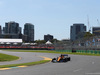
98,22
88,24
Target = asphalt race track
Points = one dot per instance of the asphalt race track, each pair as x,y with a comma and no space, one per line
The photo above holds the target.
79,65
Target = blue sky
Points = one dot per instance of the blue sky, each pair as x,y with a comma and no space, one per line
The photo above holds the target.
50,16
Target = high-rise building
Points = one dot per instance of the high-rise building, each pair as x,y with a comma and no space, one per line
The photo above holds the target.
75,30
48,37
0,30
96,30
29,32
11,28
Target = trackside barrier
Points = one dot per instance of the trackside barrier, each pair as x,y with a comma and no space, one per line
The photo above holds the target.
89,51
81,51
64,51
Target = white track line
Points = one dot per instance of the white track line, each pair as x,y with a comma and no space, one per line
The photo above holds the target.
77,70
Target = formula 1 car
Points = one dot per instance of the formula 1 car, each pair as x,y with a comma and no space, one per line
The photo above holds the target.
61,58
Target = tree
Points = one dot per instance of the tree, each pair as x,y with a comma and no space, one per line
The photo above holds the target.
54,40
40,41
88,35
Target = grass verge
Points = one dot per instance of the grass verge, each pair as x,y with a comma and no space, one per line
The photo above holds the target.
47,51
25,64
5,57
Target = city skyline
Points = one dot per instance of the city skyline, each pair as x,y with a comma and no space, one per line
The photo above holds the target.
12,30
50,16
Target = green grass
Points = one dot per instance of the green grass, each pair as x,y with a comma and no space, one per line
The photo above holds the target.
41,51
5,57
25,64
48,51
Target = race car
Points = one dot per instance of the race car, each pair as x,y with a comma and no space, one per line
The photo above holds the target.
61,58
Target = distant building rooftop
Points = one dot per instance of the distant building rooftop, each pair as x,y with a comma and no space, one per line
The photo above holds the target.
11,40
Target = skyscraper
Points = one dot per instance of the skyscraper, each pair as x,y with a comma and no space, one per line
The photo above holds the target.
11,28
0,30
29,32
75,30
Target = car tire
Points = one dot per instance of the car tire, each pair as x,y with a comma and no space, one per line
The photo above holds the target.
68,58
54,60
